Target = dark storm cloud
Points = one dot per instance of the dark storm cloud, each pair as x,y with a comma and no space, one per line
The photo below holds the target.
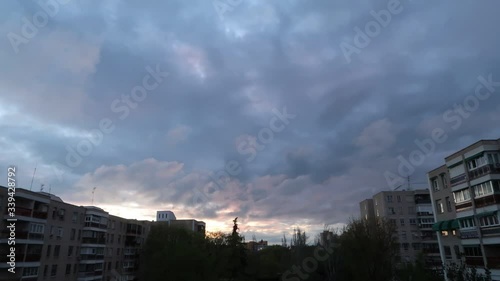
226,75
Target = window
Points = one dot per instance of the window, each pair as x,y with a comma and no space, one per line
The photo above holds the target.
399,198
402,222
400,210
444,181
48,250
489,220
413,221
406,246
410,199
467,223
439,206
391,211
392,221
73,234
478,162
53,271
389,198
403,235
375,201
416,246
75,268
486,188
79,234
461,195
474,251
59,232
457,251
448,204
70,251
119,238
435,185
74,217
447,252
30,271
57,249
444,233
411,210
377,213
68,269
37,228
45,271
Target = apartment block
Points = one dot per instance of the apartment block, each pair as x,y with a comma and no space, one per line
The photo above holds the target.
446,225
411,212
189,224
58,241
473,176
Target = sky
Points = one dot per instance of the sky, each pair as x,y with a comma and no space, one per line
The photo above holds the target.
282,113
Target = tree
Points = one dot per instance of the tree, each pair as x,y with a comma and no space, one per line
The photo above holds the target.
369,249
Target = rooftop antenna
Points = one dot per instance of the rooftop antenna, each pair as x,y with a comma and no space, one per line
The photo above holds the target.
409,183
93,190
41,187
33,177
50,188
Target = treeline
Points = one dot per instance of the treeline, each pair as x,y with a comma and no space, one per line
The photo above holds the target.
363,250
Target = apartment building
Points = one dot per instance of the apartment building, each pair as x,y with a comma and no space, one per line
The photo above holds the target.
60,241
189,224
473,174
255,246
446,225
411,212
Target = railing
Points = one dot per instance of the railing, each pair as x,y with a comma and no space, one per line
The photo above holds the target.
493,262
86,240
95,225
92,257
458,179
469,234
487,200
474,261
40,215
33,257
491,231
484,170
27,212
89,274
463,206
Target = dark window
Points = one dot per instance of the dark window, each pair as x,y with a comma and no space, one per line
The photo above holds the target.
70,251
73,234
45,271
53,271
68,269
57,249
48,250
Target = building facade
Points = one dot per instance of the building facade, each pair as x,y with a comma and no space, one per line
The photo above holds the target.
58,241
473,175
411,212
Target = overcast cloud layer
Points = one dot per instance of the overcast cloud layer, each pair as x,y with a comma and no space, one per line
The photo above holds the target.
232,71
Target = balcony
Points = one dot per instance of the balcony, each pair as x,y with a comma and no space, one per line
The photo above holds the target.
88,240
469,234
493,262
474,261
27,212
92,257
89,274
462,206
484,170
487,200
458,179
22,235
491,231
95,225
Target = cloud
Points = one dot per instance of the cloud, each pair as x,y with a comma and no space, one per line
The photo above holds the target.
226,76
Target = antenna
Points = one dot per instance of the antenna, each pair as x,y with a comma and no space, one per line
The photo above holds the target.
409,183
41,187
50,188
33,177
93,190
